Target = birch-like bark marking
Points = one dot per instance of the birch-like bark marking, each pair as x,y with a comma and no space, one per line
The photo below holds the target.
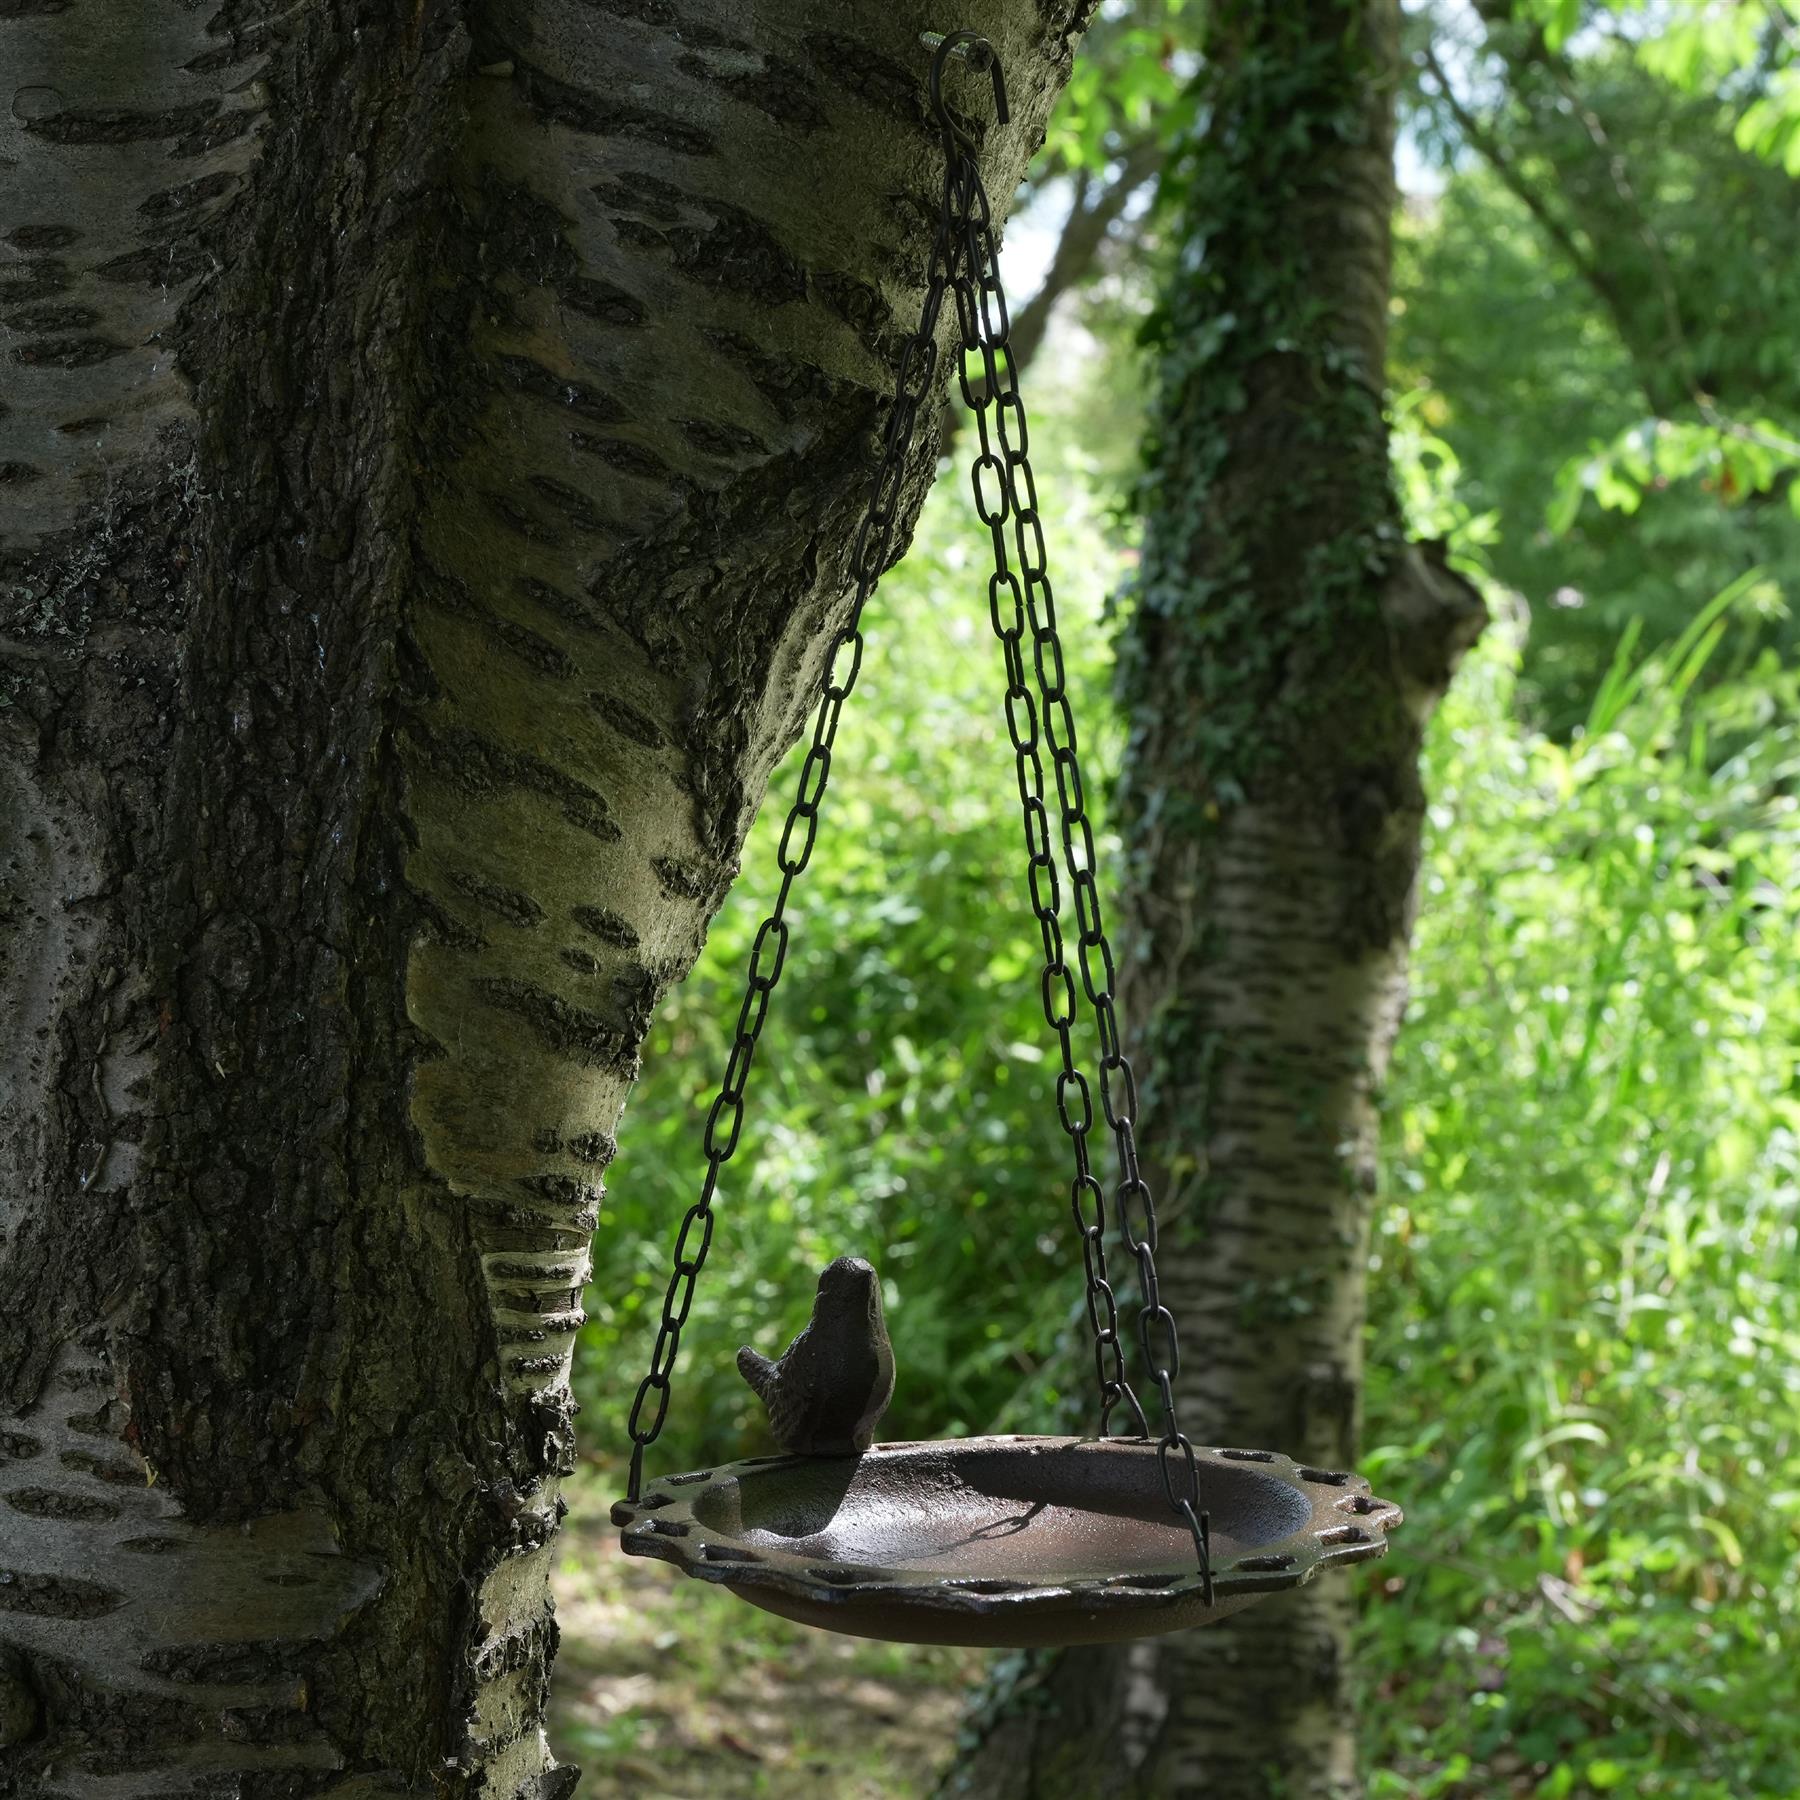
431,439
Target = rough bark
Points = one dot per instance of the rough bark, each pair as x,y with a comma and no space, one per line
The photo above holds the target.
429,442
1285,650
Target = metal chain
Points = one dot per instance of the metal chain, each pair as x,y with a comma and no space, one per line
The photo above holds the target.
964,260
1006,490
1074,1098
914,386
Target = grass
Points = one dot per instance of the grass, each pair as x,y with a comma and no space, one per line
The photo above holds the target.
669,1689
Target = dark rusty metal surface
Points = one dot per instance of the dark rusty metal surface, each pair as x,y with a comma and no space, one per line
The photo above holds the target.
826,1394
1003,1540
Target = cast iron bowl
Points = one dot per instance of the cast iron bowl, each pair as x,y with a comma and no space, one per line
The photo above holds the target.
1014,1541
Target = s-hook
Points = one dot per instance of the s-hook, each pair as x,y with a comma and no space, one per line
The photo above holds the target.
976,50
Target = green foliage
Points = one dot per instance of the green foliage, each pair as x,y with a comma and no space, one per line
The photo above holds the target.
1770,125
1749,55
1594,515
1585,1333
1130,82
1736,461
1133,90
1604,302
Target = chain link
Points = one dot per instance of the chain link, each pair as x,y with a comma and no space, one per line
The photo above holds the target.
965,263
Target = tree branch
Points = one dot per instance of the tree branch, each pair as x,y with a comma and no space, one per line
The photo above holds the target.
1486,142
1089,226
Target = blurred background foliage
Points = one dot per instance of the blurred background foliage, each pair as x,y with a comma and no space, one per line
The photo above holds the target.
1584,1357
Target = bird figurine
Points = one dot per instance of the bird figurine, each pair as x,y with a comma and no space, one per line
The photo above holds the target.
825,1395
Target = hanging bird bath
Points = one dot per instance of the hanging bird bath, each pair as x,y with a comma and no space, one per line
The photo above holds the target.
994,1540
1015,1541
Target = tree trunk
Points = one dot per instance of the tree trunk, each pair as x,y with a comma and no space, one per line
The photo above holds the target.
431,440
1285,650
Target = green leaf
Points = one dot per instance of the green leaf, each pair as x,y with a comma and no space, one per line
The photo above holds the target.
1565,15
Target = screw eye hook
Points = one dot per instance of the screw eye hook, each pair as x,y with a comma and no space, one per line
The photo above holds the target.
977,50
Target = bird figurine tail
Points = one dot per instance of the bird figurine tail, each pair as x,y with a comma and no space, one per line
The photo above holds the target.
758,1371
